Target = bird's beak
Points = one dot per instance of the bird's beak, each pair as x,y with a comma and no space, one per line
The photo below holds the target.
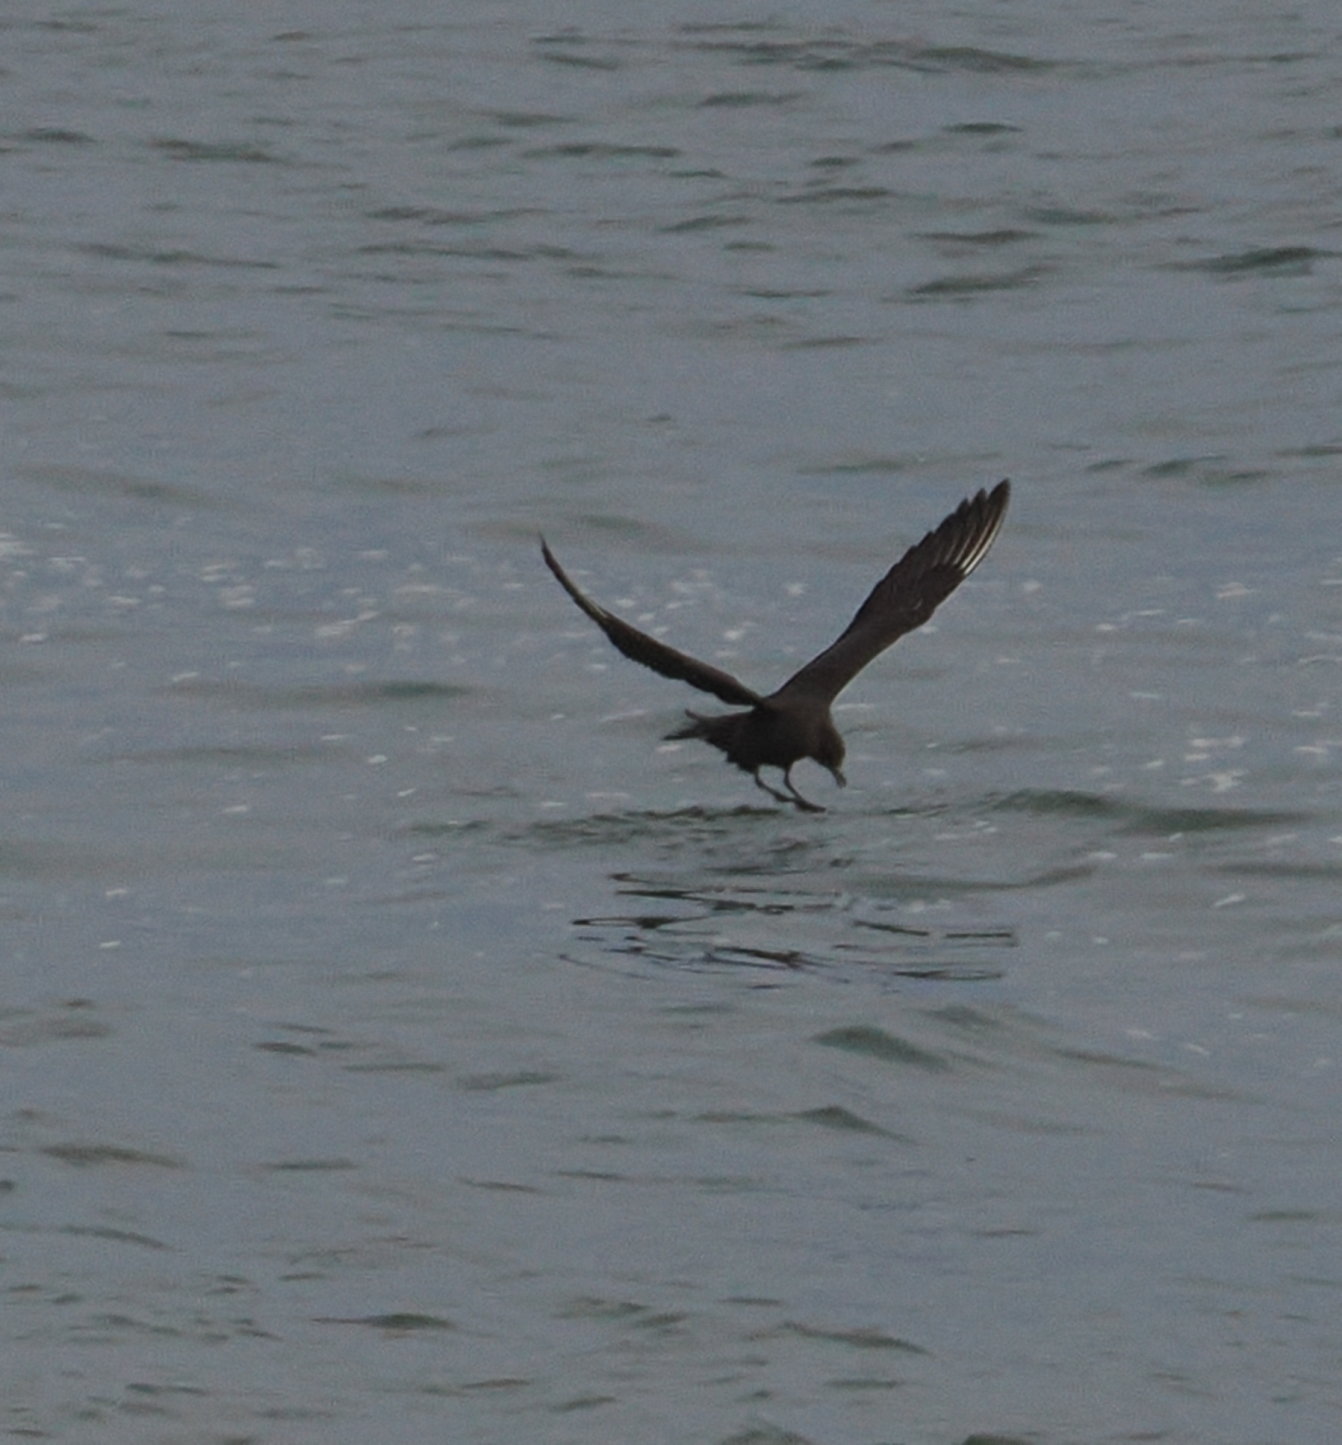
839,777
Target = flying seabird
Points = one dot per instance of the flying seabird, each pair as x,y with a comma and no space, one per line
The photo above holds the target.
794,722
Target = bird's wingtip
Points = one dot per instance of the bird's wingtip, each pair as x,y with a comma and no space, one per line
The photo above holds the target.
551,561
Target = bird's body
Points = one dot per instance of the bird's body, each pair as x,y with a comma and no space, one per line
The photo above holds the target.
794,722
772,734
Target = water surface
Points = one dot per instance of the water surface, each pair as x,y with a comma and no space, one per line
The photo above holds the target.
402,1041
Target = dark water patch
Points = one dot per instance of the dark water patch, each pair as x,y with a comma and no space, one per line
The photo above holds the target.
991,1034
323,1041
469,1388
345,694
502,1186
397,1323
829,195
436,216
411,690
1313,872
771,293
86,1156
588,271
1290,260
960,287
840,52
54,135
398,1066
1067,216
452,828
72,1021
1003,236
811,343
917,887
1180,466
1142,818
476,142
462,252
874,1043
1061,803
1207,471
142,254
603,150
730,98
982,62
1124,1074
570,46
1170,821
876,466
582,1402
594,1307
982,127
492,1083
988,1036
114,1236
192,150
835,1116
705,223
527,119
768,1435
967,1019
309,1166
96,482
376,484
864,1338
1320,450
582,62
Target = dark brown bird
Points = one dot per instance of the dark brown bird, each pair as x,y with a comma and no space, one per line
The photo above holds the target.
794,722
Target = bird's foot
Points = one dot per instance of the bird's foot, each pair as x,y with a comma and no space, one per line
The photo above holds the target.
803,803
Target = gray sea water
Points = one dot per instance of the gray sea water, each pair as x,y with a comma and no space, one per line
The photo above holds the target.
399,1041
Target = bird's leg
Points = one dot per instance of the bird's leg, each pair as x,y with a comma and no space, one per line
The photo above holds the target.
802,803
772,792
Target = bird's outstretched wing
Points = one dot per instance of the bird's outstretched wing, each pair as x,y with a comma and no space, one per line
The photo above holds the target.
657,655
908,594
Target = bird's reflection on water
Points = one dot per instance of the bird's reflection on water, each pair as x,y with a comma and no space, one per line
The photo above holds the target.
699,923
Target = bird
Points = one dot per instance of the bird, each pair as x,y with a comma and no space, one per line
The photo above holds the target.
780,728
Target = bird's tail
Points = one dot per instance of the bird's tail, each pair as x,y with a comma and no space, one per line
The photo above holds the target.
720,731
697,727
